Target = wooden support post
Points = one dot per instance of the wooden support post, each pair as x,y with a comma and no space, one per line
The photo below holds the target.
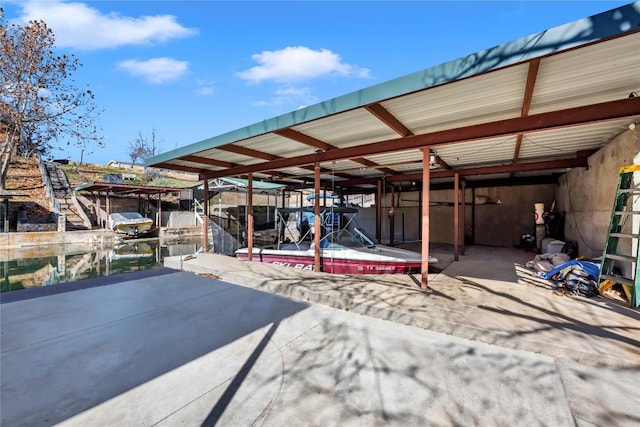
463,202
379,212
99,212
473,215
250,216
317,220
205,212
456,215
159,213
392,216
426,179
108,209
419,211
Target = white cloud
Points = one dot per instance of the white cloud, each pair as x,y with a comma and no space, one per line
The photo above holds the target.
205,91
80,26
299,63
156,70
290,96
204,87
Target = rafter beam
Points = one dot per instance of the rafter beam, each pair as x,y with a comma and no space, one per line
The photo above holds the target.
580,161
574,162
208,161
166,165
321,145
304,139
442,163
532,76
249,152
373,165
625,108
388,119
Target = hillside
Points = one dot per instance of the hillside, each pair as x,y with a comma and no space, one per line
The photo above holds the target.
24,182
78,174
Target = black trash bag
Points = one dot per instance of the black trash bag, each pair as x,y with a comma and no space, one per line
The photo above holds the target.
579,285
570,248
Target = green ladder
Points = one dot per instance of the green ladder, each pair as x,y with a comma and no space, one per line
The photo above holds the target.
622,214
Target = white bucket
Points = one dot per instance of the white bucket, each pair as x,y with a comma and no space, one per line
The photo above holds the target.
539,211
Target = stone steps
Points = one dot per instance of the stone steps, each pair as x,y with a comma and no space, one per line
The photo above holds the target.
64,195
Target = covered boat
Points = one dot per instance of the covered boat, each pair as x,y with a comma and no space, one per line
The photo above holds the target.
130,223
347,250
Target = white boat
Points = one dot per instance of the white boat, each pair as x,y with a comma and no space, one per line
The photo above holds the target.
347,250
130,223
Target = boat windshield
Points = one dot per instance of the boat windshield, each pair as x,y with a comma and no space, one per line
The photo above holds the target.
121,216
342,239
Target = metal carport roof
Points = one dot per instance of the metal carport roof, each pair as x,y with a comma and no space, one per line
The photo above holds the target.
539,103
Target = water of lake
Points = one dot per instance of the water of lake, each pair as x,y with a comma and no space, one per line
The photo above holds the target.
42,266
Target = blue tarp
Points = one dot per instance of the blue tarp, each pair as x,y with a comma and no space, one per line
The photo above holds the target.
591,268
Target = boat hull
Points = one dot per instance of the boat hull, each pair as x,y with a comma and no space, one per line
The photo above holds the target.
331,263
130,223
133,229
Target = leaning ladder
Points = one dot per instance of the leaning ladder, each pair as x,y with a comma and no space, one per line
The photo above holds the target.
621,227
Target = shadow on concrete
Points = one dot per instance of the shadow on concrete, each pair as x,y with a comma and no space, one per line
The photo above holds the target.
226,398
563,322
133,332
409,382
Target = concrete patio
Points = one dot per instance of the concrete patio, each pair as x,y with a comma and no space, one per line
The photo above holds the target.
168,348
486,296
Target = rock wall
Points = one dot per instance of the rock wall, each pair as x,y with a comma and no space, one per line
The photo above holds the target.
587,194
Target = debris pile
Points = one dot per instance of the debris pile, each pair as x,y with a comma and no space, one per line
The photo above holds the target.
573,277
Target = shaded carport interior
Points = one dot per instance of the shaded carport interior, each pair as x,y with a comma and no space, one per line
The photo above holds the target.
527,110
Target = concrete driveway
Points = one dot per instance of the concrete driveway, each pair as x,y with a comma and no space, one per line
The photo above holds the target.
175,348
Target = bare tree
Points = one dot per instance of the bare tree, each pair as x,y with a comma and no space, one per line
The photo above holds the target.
142,147
41,108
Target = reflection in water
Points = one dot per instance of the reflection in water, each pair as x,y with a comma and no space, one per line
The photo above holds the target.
28,272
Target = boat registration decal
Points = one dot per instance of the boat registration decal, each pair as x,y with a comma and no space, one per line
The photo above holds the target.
376,268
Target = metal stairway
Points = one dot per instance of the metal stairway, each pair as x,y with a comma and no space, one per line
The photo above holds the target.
76,219
621,227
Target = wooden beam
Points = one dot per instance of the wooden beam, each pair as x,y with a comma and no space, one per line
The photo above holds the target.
208,161
606,111
379,212
388,119
250,217
392,217
516,152
373,165
532,76
303,139
426,179
317,221
205,220
165,165
442,163
485,170
463,204
321,145
456,216
249,152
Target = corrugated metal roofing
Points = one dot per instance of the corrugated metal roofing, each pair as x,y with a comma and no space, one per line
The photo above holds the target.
470,111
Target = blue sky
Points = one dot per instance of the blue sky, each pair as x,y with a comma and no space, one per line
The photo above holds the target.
196,69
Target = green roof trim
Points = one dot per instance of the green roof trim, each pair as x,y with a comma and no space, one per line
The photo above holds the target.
607,24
